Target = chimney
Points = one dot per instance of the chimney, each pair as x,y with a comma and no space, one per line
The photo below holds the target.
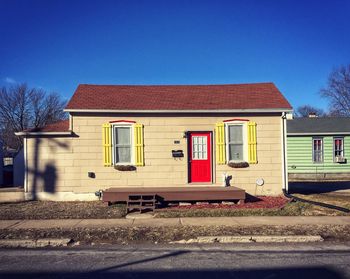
312,115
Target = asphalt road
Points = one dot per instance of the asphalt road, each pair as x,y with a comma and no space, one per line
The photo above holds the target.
320,260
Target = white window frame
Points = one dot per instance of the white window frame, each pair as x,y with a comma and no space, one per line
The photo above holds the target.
206,151
342,147
245,140
313,151
121,124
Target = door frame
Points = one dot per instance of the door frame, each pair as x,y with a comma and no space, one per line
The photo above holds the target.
189,156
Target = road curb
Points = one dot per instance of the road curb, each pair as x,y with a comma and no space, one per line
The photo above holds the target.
140,220
252,239
34,243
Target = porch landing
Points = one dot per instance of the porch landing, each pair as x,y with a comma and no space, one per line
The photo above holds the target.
167,194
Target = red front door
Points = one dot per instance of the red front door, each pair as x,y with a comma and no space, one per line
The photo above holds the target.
200,156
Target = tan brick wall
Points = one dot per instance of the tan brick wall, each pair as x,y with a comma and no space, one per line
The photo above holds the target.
70,159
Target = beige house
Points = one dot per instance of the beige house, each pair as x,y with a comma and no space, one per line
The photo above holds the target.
150,136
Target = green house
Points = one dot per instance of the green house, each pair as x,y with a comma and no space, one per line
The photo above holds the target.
318,149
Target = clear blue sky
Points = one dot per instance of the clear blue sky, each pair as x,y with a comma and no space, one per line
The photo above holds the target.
58,44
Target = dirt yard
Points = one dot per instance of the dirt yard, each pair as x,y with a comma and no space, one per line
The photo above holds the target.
262,206
128,235
60,210
335,198
290,209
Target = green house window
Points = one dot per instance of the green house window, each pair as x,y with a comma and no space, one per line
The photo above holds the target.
317,150
338,144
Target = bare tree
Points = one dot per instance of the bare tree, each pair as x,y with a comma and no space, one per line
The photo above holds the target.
338,91
306,110
22,107
46,108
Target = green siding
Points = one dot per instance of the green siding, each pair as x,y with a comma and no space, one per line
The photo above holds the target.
299,150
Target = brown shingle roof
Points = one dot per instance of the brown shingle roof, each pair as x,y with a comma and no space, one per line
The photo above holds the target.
59,126
178,97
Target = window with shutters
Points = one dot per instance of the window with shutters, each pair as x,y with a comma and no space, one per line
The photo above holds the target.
122,143
236,142
122,137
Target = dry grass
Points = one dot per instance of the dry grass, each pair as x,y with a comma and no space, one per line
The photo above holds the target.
126,235
290,209
60,210
99,210
334,198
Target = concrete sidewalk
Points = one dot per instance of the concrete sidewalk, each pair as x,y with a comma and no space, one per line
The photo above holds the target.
163,222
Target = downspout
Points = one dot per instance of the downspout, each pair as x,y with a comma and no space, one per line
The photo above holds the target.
25,148
284,154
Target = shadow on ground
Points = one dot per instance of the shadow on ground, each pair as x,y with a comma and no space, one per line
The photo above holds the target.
317,187
147,268
286,273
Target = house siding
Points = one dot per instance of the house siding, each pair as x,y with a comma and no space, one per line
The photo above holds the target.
300,156
1,164
18,169
70,159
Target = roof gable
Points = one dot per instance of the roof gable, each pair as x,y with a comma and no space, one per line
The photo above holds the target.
254,96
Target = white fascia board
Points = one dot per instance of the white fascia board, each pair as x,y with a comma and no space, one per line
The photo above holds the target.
319,134
180,111
43,133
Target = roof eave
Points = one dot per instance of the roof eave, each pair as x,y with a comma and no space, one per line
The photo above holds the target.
182,111
319,134
23,134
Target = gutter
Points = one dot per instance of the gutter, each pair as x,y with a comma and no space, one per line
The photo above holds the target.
319,134
68,133
181,111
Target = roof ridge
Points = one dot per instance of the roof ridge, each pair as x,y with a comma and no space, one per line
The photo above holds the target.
177,85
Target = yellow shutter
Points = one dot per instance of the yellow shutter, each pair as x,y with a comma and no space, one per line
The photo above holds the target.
138,144
252,158
107,144
220,143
